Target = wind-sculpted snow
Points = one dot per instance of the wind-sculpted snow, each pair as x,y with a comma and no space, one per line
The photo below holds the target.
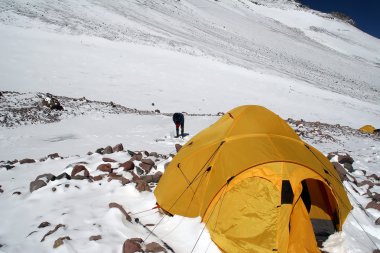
258,35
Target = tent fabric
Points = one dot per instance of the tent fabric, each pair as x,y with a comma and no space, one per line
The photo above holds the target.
248,176
367,129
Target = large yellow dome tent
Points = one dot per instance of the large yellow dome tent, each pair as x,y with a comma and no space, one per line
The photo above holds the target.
257,186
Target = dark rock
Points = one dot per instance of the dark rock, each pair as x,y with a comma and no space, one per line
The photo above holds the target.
119,147
97,178
108,150
118,206
348,166
59,241
8,167
37,184
346,158
154,247
105,167
63,175
341,171
374,205
122,179
44,224
331,155
79,168
366,182
1,190
146,165
134,176
16,193
157,111
377,222
146,153
48,176
89,153
95,237
53,189
154,154
100,151
178,147
137,157
141,186
52,102
374,176
53,156
131,246
128,165
152,178
27,160
139,171
108,160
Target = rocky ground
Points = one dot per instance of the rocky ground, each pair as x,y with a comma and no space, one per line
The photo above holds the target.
355,155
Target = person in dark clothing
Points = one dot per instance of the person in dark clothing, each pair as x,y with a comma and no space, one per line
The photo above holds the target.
179,121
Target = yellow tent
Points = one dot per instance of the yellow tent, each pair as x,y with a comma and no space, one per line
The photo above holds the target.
367,129
257,186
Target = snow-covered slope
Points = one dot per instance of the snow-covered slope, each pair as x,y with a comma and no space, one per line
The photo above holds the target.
282,49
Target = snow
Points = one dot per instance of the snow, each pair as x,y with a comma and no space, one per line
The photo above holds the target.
199,57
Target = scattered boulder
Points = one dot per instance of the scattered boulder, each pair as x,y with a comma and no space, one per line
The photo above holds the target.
154,154
52,102
142,185
8,167
108,160
374,196
146,165
1,190
154,247
59,241
48,177
89,153
137,157
44,224
27,160
79,168
348,166
374,176
119,147
108,150
377,222
98,178
132,246
118,206
36,184
95,237
105,167
52,231
331,155
152,178
139,171
366,182
341,171
99,151
128,165
122,179
54,156
345,158
63,175
178,147
374,205
16,193
157,111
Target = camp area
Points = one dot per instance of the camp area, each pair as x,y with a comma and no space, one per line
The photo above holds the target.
257,186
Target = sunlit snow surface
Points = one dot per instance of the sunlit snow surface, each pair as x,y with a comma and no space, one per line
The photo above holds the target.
195,56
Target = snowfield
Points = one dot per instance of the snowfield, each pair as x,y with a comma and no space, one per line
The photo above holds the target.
121,68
